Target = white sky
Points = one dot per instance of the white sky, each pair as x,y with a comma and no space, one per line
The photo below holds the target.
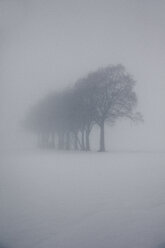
48,44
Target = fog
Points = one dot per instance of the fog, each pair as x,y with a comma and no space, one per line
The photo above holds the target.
48,45
76,200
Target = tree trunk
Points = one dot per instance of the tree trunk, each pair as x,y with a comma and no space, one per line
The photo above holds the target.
102,139
60,141
45,140
75,142
52,140
67,141
87,140
83,140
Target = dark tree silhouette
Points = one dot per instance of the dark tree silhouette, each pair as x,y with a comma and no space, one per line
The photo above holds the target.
86,110
105,95
112,95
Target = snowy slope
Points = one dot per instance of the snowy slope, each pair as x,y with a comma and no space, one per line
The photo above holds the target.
67,200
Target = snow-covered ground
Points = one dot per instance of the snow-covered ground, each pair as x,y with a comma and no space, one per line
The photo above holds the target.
94,200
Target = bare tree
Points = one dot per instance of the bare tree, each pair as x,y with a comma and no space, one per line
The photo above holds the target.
105,95
111,95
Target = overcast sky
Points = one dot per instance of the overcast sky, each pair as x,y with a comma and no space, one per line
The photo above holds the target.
48,44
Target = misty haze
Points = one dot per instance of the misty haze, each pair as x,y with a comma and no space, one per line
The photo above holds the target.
82,142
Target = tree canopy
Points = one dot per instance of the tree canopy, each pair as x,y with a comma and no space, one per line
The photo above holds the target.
64,120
